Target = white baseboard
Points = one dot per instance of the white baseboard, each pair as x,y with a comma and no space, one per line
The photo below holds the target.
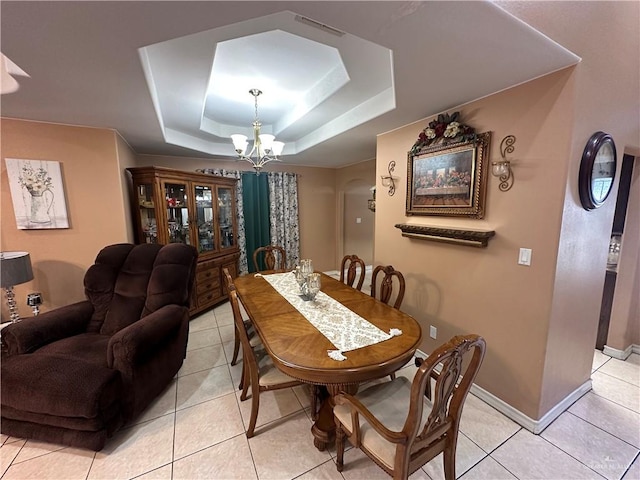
534,426
621,354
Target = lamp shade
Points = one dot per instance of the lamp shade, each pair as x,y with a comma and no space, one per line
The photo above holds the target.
15,268
240,143
266,140
277,148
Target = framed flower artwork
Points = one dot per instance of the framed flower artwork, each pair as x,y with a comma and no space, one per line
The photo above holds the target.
446,173
37,193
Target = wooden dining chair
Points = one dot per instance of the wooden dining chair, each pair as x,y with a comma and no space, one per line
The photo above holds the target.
259,372
394,423
273,257
349,271
384,292
254,339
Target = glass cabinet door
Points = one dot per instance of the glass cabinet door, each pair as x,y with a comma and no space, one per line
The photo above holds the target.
205,217
225,212
177,212
146,205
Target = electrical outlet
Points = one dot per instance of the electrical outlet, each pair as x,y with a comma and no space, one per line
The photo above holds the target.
433,332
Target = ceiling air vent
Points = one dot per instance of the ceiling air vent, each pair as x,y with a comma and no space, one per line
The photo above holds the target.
321,26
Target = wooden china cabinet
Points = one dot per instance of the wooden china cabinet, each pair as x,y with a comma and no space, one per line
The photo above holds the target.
172,206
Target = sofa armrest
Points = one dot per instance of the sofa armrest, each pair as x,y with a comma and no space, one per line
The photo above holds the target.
145,338
30,334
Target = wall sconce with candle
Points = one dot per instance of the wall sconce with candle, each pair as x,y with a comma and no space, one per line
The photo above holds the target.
389,180
502,168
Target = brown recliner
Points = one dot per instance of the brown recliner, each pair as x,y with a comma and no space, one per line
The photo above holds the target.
76,374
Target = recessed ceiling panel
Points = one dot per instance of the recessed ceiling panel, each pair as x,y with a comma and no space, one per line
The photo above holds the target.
315,83
293,73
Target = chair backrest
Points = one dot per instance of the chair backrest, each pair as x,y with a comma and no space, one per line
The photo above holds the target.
460,359
384,291
228,279
248,354
350,264
128,282
274,257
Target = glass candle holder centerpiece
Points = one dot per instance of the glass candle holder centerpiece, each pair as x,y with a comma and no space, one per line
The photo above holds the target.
306,267
313,286
304,272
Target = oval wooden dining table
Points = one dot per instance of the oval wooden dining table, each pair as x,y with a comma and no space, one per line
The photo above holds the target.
301,351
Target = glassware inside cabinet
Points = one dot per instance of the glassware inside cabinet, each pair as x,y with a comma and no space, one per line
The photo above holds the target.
177,213
146,205
205,217
225,212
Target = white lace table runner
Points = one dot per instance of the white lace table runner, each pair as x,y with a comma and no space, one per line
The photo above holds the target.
342,327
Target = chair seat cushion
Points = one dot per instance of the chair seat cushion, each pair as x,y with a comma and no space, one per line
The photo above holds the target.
58,386
389,403
269,374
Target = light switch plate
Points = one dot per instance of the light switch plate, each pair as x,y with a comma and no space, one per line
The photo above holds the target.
525,257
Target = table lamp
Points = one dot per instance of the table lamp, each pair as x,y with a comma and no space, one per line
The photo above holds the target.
15,268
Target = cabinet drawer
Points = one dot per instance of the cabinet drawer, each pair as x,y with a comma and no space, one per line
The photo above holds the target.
209,275
207,286
208,298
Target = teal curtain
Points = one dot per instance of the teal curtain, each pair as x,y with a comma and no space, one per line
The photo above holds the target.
255,199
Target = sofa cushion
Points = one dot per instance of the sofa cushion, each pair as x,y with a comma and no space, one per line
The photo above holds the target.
88,347
166,285
59,386
100,279
130,289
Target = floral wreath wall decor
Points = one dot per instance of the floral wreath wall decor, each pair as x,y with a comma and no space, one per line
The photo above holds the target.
443,130
37,193
446,174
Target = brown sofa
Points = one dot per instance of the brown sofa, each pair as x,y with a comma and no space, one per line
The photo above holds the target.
76,374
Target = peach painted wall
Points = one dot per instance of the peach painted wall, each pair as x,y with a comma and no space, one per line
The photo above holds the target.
607,82
540,322
460,289
126,158
352,186
316,201
94,200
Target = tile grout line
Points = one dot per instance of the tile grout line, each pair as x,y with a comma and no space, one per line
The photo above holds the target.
602,429
568,454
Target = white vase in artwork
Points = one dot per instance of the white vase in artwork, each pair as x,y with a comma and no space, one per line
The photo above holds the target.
40,206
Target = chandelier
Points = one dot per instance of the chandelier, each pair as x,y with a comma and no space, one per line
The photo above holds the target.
264,150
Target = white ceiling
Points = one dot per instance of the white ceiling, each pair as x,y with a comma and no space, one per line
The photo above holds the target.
173,77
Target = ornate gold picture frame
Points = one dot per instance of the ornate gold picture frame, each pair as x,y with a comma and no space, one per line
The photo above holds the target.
448,179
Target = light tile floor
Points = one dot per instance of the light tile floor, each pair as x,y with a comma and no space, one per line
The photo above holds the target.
195,430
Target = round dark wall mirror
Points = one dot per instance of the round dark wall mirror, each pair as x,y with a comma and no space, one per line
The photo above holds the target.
597,170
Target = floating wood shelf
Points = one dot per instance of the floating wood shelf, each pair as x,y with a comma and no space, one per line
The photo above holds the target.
459,236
